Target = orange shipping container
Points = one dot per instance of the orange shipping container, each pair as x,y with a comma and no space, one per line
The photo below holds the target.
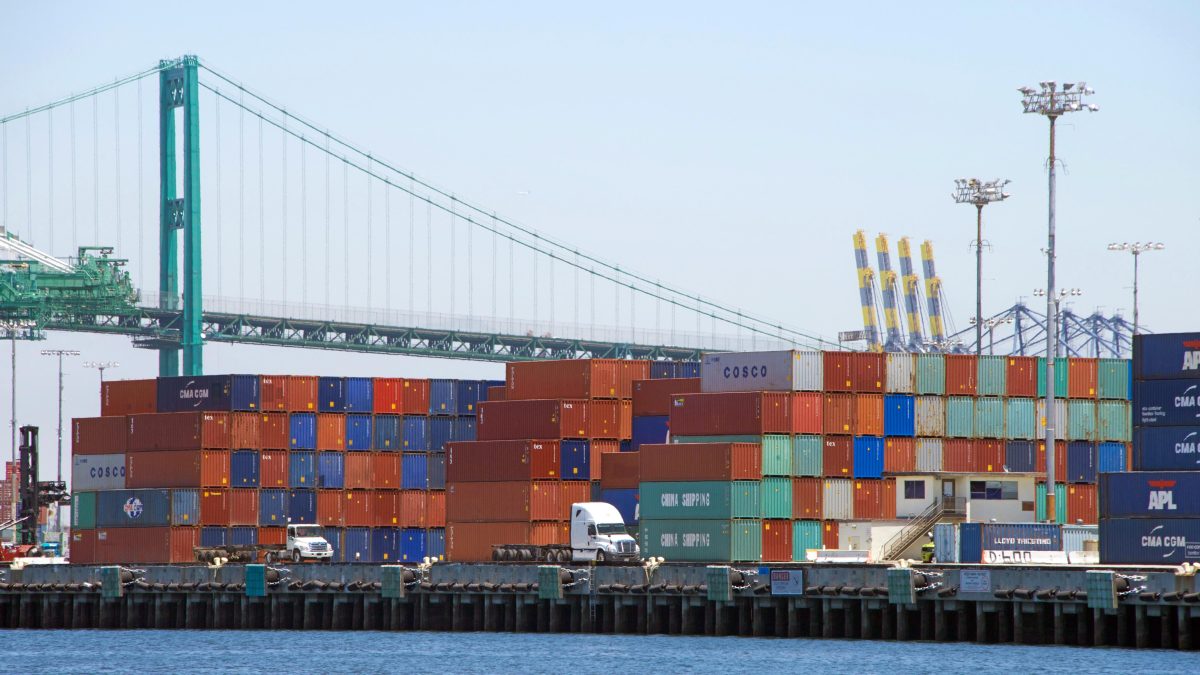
99,435
962,373
128,397
358,470
806,412
385,470
273,469
700,461
358,508
244,431
837,414
573,492
838,371
550,534
502,501
899,455
473,542
388,395
178,431
243,507
807,498
331,431
604,419
1021,377
575,378
868,371
495,393
274,431
435,508
1081,377
412,508
1060,459
625,415
329,508
415,399
875,499
274,536
958,455
272,391
546,500
868,414
214,507
777,540
1082,505
829,535
386,509
301,393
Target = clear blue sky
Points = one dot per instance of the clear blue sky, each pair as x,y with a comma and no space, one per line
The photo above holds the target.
732,150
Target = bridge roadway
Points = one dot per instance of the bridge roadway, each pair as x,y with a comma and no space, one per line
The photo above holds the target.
1150,607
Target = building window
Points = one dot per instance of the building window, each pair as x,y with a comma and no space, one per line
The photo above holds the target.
914,489
993,489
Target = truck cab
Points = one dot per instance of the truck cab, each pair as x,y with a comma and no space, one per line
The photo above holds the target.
306,542
598,533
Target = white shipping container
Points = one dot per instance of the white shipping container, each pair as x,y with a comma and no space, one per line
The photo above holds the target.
838,499
931,416
1061,422
945,542
762,371
97,472
901,373
929,455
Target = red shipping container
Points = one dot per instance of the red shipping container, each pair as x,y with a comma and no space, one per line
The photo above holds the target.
572,492
178,431
1082,505
653,397
499,501
603,417
868,415
829,535
517,420
83,547
388,395
273,469
958,455
243,506
545,500
302,393
807,412
125,545
838,371
358,508
962,372
128,397
731,413
415,399
385,470
837,414
274,431
501,461
700,461
1081,377
875,499
357,468
549,534
473,542
777,540
808,498
837,456
621,470
214,507
1021,377
899,455
1060,459
385,509
989,456
329,508
99,435
331,431
626,420
868,372
435,508
597,449
496,393
412,508
245,431
177,469
273,392
575,378
274,536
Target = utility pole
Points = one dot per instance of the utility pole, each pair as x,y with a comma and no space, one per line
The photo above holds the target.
979,193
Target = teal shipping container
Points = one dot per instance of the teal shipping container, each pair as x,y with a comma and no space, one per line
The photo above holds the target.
702,540
960,417
989,418
700,500
931,374
1112,421
992,375
777,455
807,456
775,497
806,536
1060,502
1113,377
1061,377
1020,419
1081,414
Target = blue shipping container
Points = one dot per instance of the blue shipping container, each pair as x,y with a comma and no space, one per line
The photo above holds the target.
358,432
868,457
464,428
1166,356
626,501
1020,456
416,433
214,393
356,544
468,396
662,370
413,470
443,395
185,507
243,535
1081,462
360,394
412,544
334,536
1149,541
1021,537
302,506
1150,494
1110,457
441,432
575,460
435,470
302,469
385,544
970,542
649,429
133,508
303,431
272,507
213,536
435,543
331,394
899,415
1166,403
1166,449
386,432
331,470
243,468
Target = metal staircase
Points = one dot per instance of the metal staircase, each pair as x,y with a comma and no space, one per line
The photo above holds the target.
920,525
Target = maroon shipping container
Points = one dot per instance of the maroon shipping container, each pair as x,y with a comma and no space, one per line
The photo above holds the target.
385,470
837,456
496,393
958,455
435,508
731,414
245,431
777,540
1060,459
243,506
416,396
83,547
653,397
358,508
838,371
837,414
962,373
178,431
808,497
473,542
483,502
1082,504
1082,375
989,456
829,535
808,412
620,469
214,507
146,545
301,393
177,469
358,471
128,397
700,461
599,448
500,461
98,435
868,372
329,507
385,508
273,469
1022,376
413,505
577,378
875,499
517,420
272,391
274,431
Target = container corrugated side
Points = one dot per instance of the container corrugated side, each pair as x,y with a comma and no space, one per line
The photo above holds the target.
1112,421
700,462
807,498
1149,541
806,455
776,455
775,497
483,502
751,371
128,397
837,499
731,413
1061,416
1020,418
1112,379
931,416
1061,377
133,508
1150,494
806,536
653,397
868,457
945,542
1021,378
1166,403
931,374
992,375
989,418
929,455
901,373
1082,416
1060,502
83,511
899,415
702,540
1166,449
960,417
1080,537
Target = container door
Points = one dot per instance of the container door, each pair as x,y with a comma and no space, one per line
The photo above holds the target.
948,494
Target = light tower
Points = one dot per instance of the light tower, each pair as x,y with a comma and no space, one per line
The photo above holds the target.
60,353
979,193
1136,248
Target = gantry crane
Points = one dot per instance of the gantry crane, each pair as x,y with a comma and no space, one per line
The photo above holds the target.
866,291
933,295
912,297
889,290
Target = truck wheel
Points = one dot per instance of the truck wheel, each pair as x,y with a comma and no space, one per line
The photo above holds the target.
600,556
296,556
270,558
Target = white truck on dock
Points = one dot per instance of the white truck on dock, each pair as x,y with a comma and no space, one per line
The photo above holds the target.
597,534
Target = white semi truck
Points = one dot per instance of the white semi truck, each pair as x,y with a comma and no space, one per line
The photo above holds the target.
304,542
597,534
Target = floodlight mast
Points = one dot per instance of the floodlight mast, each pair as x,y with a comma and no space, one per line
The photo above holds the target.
979,193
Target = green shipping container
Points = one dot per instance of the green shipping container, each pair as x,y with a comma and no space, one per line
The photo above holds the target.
960,417
1081,416
694,500
1061,377
1020,419
777,455
775,498
717,439
83,511
806,535
1060,503
931,374
807,456
1113,379
702,540
1112,421
992,373
989,418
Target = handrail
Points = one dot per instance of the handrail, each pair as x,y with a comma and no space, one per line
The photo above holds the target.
922,521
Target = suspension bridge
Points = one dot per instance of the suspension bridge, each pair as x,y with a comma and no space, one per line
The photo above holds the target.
307,240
